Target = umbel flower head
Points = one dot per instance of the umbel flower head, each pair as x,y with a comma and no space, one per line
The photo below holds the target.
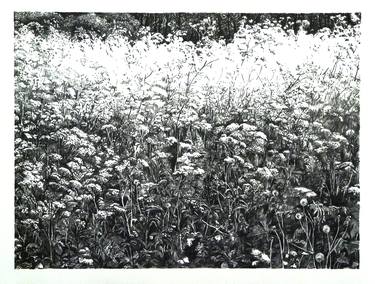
326,229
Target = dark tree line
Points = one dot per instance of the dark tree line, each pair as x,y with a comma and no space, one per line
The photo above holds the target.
92,24
192,25
226,25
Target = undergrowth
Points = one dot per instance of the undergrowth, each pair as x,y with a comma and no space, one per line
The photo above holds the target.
163,153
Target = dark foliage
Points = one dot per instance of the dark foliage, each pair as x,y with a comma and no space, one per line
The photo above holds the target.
193,27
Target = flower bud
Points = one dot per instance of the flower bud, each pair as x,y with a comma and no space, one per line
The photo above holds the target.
326,229
319,257
298,216
303,202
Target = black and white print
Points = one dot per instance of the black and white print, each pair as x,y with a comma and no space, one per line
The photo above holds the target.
182,140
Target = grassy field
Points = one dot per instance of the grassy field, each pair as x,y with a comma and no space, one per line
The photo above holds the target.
164,153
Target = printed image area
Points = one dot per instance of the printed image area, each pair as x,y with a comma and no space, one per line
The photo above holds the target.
186,140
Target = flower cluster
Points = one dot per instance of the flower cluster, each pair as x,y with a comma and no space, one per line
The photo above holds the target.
163,153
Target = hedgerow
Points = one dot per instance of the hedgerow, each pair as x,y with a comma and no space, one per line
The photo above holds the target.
165,153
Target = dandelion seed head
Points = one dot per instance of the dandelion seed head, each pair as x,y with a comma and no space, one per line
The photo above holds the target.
326,229
298,216
303,202
319,257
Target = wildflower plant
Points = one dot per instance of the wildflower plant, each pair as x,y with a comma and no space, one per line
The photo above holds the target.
163,153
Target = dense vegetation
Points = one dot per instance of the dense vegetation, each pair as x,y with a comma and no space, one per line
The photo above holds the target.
190,26
159,152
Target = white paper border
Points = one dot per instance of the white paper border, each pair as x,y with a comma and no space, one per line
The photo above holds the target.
7,272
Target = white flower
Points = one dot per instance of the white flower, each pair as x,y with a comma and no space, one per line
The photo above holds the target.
265,258
79,133
194,155
354,18
353,189
293,253
350,133
143,129
299,216
109,127
218,238
86,261
71,92
223,138
119,209
247,127
303,202
186,146
110,163
232,140
264,172
282,157
339,138
144,163
334,145
78,160
321,150
229,160
162,155
319,257
239,159
198,172
307,192
326,229
232,127
249,166
183,261
171,140
243,144
261,135
256,252
55,157
73,165
189,241
113,191
57,204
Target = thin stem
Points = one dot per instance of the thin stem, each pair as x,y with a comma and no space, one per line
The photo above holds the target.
216,229
281,250
271,253
307,235
329,249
